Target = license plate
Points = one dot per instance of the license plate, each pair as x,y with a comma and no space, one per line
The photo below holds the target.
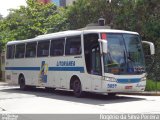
128,87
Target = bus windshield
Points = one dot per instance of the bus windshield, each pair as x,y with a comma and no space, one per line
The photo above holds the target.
125,54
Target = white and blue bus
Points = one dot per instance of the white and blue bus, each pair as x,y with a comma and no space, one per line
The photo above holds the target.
96,60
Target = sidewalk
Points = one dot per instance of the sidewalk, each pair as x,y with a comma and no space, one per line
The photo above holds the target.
4,85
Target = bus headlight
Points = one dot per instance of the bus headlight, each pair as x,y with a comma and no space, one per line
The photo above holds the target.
143,79
111,79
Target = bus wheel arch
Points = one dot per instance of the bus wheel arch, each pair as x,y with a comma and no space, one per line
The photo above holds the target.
76,86
21,81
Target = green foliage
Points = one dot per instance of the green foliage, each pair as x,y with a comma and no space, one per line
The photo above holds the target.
28,22
84,12
151,85
134,15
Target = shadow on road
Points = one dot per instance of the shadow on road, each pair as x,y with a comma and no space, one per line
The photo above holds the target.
90,98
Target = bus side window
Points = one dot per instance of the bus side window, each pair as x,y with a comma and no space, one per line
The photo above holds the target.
57,47
10,51
31,50
73,45
43,49
20,49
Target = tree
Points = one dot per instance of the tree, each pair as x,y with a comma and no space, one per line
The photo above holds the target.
28,22
84,12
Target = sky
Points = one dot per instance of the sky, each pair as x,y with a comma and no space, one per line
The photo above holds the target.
7,4
56,2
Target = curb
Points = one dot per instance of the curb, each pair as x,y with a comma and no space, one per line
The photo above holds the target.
147,93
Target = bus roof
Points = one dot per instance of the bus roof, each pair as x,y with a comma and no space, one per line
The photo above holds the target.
108,31
69,33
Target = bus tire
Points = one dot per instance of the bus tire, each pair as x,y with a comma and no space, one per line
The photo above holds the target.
22,83
77,88
49,89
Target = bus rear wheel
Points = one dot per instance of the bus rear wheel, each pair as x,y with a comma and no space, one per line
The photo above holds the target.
22,82
77,88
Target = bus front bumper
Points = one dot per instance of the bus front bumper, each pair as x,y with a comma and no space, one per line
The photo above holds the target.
124,85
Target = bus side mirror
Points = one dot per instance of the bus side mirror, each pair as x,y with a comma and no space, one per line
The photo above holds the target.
151,45
104,45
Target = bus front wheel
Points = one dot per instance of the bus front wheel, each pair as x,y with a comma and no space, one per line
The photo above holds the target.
77,88
49,89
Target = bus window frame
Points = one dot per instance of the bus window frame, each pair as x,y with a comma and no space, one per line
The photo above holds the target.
42,41
35,48
16,51
68,37
57,39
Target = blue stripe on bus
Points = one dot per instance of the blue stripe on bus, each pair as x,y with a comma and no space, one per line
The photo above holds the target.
81,69
132,80
23,68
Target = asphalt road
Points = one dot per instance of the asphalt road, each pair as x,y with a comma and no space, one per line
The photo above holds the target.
13,100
